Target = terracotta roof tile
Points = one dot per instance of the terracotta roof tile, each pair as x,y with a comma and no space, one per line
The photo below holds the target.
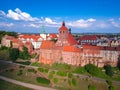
71,39
71,49
88,37
47,44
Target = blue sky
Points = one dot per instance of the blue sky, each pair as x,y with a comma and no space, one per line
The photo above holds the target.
80,15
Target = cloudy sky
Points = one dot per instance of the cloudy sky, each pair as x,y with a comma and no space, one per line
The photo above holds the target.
81,16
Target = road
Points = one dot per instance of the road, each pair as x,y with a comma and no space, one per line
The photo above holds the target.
32,86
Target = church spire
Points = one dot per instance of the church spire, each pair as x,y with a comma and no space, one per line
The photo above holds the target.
63,23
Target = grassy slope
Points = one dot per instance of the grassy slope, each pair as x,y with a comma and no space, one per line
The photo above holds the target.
10,86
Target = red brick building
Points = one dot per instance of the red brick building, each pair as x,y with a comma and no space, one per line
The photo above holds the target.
66,50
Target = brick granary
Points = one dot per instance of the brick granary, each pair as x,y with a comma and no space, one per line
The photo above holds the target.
66,50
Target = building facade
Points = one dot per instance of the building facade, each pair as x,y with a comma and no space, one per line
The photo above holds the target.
66,50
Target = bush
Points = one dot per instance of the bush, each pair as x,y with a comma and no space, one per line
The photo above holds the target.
92,69
46,70
80,70
20,73
74,81
35,64
41,69
109,82
32,70
52,72
21,66
61,73
43,80
108,70
24,63
112,88
50,76
91,87
70,75
13,54
55,80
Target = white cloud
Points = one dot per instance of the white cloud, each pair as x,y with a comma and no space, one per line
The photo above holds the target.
19,15
91,20
2,13
81,23
33,25
50,21
2,24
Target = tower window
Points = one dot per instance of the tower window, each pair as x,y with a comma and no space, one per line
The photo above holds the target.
63,31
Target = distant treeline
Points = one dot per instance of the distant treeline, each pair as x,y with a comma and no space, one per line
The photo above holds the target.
2,33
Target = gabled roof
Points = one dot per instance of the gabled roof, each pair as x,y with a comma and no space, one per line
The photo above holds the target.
47,44
71,39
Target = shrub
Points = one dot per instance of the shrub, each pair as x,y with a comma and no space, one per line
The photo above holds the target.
91,87
21,66
52,72
109,82
61,73
46,70
55,80
43,80
112,88
92,69
41,69
24,63
50,76
35,64
70,75
32,70
20,73
74,81
108,70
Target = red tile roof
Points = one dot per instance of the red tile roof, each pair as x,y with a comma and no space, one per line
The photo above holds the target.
71,39
15,40
71,49
52,35
34,37
88,37
47,44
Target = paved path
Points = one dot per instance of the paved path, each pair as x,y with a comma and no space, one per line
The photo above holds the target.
32,86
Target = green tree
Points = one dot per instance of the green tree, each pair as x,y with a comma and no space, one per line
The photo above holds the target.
13,54
92,69
24,54
108,70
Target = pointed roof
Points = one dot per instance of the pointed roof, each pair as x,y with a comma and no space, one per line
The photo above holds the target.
71,39
63,27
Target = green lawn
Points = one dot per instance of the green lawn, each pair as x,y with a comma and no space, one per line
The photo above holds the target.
10,86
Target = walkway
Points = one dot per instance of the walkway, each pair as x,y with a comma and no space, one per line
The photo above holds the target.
32,86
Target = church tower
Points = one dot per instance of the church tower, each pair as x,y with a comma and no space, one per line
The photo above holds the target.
63,35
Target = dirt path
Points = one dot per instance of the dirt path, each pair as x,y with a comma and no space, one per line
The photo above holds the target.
32,86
